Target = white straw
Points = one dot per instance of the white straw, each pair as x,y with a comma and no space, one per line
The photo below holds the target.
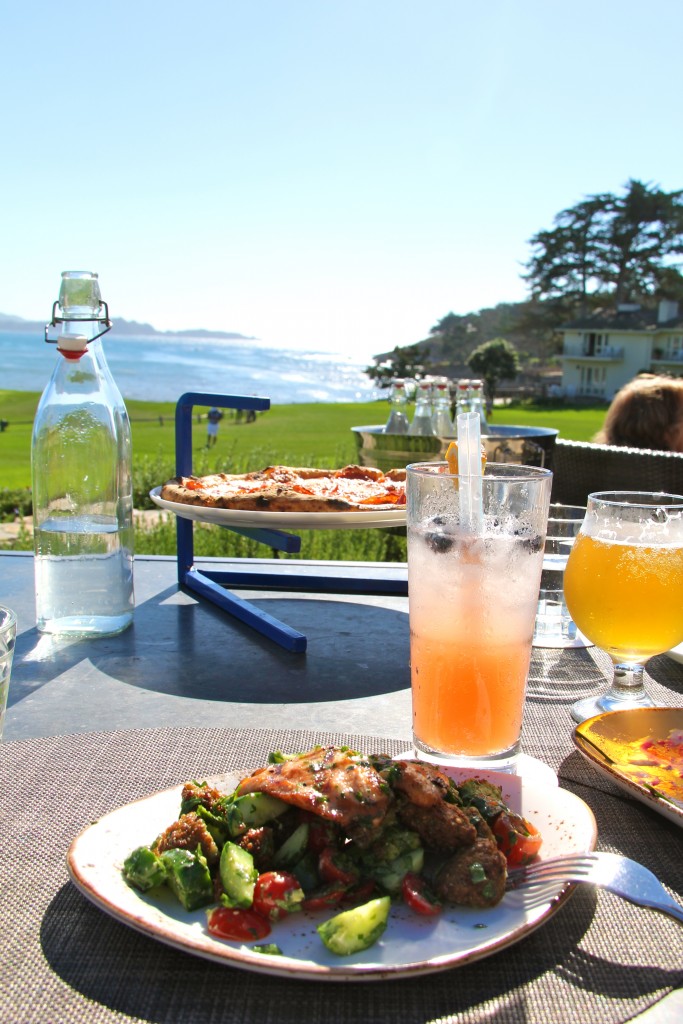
469,471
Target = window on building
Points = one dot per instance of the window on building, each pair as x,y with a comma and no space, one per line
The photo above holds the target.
674,346
594,344
592,380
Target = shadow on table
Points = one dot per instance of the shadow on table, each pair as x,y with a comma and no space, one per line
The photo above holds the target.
134,975
180,646
562,677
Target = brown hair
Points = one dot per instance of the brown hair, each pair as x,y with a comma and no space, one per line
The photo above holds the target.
643,412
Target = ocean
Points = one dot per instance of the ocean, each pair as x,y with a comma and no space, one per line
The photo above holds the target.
160,369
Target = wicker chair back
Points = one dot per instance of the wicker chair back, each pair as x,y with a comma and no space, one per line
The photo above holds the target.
580,468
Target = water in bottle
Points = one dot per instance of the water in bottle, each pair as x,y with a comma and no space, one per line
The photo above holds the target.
422,420
82,477
462,397
441,411
398,422
477,403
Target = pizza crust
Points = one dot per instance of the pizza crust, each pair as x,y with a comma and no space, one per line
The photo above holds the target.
289,489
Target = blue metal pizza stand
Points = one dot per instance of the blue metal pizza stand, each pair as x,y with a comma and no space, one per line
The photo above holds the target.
214,585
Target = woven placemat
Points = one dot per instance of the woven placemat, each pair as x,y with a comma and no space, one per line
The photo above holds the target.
599,959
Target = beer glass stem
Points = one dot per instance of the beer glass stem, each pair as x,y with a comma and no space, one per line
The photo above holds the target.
628,683
627,691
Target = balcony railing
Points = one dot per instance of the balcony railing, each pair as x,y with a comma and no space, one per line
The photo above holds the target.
667,357
609,352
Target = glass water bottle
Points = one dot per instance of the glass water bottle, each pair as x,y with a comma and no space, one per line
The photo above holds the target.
441,411
82,477
477,403
422,420
398,416
462,397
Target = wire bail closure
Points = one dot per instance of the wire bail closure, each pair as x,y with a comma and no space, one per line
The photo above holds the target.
78,320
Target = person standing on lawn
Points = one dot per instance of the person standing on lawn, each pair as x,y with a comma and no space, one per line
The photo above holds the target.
212,420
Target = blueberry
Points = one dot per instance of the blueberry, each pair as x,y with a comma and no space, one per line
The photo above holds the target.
439,542
532,544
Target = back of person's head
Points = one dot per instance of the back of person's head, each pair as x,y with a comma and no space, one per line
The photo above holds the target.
645,414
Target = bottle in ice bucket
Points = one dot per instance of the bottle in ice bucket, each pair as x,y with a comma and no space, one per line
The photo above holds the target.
462,397
398,416
477,403
422,420
82,477
441,411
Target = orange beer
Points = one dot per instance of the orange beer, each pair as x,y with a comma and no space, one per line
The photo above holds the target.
627,598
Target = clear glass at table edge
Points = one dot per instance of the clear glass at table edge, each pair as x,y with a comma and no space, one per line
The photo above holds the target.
554,627
8,634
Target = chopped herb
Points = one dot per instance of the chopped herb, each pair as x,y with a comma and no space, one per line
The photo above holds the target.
477,873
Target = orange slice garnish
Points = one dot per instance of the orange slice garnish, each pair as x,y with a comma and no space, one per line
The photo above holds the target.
452,458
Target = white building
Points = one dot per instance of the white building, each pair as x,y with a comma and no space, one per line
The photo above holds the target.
604,351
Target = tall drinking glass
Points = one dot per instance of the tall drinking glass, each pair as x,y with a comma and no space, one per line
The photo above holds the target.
472,594
624,588
8,633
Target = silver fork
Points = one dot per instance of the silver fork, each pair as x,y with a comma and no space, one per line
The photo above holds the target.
610,871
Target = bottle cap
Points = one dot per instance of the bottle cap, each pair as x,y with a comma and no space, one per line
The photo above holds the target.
72,346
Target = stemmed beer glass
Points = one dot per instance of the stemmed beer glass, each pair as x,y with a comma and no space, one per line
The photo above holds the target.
623,586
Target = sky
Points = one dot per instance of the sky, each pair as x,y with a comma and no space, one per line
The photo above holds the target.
334,175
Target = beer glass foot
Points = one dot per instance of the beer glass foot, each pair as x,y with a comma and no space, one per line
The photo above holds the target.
602,703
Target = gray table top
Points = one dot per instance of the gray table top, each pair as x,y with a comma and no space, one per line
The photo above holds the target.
186,669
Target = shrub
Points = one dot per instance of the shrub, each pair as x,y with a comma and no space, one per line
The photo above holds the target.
15,503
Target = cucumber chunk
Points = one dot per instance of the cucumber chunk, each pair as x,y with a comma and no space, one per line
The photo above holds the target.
391,875
143,869
253,810
189,877
238,875
293,848
357,929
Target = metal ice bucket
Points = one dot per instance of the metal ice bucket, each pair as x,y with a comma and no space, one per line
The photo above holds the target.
527,446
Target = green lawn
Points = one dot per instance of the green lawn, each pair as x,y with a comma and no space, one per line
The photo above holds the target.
296,434
307,434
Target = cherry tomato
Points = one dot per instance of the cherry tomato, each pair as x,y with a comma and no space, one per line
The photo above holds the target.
417,895
516,837
335,866
276,894
325,896
238,925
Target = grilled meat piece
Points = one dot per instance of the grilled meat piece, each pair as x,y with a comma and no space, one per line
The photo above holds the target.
187,833
474,876
195,794
422,784
336,784
441,826
482,827
428,802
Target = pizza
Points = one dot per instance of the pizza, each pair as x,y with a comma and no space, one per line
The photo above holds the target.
288,489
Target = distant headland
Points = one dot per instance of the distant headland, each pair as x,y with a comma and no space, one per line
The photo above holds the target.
17,323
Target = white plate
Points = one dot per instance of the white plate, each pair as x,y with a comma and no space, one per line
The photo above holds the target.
676,653
411,944
281,520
